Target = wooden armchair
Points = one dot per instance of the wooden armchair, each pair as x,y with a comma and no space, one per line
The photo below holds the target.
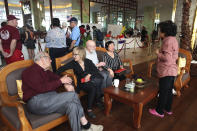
183,78
13,113
67,58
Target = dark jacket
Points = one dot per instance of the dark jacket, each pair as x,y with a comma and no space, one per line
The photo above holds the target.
90,68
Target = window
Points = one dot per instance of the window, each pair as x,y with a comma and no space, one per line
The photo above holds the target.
2,11
15,9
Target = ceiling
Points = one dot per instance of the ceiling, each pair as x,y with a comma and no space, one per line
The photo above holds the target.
159,4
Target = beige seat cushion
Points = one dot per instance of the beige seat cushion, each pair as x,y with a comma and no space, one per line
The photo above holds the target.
19,87
35,120
181,64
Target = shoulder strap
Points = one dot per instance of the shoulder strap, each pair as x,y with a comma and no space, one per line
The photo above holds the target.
66,31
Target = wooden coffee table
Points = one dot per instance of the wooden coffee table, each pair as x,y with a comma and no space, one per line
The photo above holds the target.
136,100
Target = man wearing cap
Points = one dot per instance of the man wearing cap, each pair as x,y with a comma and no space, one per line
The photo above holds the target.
10,44
75,35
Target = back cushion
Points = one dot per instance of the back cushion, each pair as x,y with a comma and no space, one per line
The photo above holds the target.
67,61
182,55
11,81
181,62
100,55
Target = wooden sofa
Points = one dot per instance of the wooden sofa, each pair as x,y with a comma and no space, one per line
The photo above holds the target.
182,79
67,58
12,112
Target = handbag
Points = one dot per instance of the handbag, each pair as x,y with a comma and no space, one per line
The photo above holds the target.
120,72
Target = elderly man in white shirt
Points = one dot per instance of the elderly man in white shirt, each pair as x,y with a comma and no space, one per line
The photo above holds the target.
92,55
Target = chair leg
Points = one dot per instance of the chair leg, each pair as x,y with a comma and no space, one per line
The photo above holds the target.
186,86
128,76
178,93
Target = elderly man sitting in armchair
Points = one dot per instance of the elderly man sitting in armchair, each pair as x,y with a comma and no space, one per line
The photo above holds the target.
39,85
92,55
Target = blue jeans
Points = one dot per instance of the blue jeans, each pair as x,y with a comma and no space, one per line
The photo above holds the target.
99,43
53,102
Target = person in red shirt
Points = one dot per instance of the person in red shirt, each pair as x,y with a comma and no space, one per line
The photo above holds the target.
10,44
82,29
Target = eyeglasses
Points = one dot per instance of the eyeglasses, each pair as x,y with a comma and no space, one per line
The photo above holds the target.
47,57
75,55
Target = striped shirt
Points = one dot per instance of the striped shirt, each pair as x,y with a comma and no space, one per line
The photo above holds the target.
112,63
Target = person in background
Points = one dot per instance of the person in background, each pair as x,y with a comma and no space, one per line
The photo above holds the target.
135,32
56,42
127,34
98,36
87,35
22,34
82,34
4,23
166,67
88,78
75,35
69,31
64,27
88,29
92,55
39,85
154,36
144,36
82,30
108,36
130,31
30,41
10,44
112,59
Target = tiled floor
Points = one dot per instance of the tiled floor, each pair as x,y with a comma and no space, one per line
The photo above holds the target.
139,55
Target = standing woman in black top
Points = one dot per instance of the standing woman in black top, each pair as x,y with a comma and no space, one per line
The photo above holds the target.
88,77
111,58
30,41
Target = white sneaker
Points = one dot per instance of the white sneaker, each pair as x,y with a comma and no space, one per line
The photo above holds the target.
94,128
174,92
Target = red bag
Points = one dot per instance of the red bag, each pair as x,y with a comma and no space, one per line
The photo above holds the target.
83,80
119,70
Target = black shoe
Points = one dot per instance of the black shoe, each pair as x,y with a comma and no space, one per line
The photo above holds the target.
91,114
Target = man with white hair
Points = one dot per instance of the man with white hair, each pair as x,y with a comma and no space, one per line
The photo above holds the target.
39,85
10,44
92,55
